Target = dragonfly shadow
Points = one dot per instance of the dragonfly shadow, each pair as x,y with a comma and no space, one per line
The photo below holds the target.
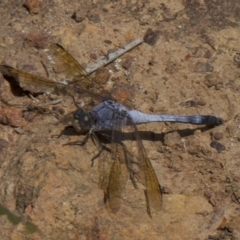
188,132
145,135
155,137
15,86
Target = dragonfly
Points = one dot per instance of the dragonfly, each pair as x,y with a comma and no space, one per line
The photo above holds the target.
107,120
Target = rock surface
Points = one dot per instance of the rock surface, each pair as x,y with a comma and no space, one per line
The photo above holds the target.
192,59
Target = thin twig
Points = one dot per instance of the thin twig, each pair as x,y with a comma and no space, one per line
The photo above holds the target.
114,55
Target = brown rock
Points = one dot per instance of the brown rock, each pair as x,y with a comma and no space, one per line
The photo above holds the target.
37,39
102,75
201,67
201,102
80,14
107,41
236,59
93,56
172,139
123,93
151,37
127,63
212,79
12,116
218,135
218,146
33,6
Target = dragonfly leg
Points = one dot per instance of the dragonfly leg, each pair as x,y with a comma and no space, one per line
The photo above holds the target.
85,140
96,156
74,101
81,143
96,142
59,135
99,145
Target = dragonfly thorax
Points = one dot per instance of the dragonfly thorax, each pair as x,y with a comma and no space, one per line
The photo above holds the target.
82,121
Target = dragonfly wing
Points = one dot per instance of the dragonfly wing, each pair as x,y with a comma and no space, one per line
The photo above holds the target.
65,63
114,166
148,177
153,190
104,167
27,81
118,176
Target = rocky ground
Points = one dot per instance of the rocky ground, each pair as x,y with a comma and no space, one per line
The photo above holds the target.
189,65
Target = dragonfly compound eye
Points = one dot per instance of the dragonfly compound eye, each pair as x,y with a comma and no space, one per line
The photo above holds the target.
81,121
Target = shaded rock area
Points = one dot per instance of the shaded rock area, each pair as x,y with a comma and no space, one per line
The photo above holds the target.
189,65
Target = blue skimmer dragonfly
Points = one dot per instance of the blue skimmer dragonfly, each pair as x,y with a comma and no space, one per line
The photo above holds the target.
108,119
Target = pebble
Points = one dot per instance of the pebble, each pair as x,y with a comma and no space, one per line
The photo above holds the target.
151,37
33,6
12,116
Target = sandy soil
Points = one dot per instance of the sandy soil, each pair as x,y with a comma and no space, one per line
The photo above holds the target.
191,66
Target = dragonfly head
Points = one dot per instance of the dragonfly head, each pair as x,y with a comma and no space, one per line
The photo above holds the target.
82,121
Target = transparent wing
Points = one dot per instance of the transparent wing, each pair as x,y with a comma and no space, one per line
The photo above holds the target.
28,81
114,171
80,80
61,60
119,173
121,167
118,176
148,177
104,167
113,175
65,63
